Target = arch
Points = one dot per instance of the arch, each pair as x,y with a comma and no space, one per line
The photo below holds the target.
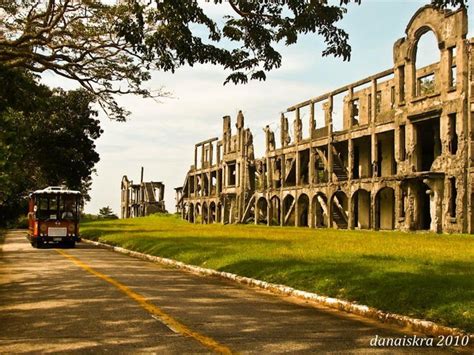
288,209
428,18
212,212
320,211
448,28
361,209
339,208
426,58
205,213
425,50
261,211
385,209
275,211
417,35
303,210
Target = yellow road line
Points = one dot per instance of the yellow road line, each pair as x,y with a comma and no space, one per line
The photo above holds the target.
169,321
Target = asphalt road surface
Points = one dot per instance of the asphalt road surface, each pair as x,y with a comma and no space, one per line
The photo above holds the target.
89,299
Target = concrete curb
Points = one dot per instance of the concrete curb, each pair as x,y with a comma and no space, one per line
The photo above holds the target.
416,325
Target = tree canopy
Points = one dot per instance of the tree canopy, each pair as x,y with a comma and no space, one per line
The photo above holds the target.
107,213
46,138
112,49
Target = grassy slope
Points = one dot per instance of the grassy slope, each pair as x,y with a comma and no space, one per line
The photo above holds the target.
421,275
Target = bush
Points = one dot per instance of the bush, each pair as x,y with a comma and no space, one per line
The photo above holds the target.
21,222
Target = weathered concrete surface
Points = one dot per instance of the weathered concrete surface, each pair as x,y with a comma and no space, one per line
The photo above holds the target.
47,303
394,150
143,199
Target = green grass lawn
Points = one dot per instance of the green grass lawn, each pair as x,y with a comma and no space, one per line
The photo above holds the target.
422,275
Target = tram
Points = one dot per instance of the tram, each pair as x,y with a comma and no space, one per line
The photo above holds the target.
54,216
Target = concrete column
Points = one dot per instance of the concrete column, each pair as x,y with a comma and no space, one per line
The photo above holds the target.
330,162
373,148
350,162
269,173
195,184
297,211
202,156
410,81
211,153
328,111
375,208
298,168
350,219
283,169
256,211
373,91
329,209
269,212
349,108
373,143
296,126
195,157
282,211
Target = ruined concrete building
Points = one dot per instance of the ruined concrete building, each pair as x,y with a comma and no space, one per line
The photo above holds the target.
143,199
403,158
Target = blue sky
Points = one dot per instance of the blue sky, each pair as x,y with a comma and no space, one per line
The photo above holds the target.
161,136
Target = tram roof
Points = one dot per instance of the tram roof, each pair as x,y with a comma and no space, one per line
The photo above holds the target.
56,190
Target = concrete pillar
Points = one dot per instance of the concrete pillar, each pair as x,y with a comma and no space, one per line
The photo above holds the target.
297,211
269,172
195,184
269,212
350,160
283,170
350,221
328,112
202,156
282,212
298,168
195,157
310,213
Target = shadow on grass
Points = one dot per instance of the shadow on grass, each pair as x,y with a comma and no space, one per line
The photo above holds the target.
95,234
195,249
431,292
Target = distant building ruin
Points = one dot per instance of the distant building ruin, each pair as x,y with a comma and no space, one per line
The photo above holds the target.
403,158
143,199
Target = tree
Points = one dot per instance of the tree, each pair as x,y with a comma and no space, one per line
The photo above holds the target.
107,213
46,138
112,49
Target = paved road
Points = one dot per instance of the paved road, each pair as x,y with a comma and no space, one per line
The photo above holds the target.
93,300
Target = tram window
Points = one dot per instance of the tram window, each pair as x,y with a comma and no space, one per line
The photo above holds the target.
53,207
67,207
42,210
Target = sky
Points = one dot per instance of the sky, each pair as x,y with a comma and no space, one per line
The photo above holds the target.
160,136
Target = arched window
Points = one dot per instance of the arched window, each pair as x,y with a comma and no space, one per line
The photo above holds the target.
426,60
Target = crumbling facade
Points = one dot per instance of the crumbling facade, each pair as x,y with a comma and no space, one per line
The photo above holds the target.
143,199
403,158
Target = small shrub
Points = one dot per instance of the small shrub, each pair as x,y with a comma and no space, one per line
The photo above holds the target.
22,222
